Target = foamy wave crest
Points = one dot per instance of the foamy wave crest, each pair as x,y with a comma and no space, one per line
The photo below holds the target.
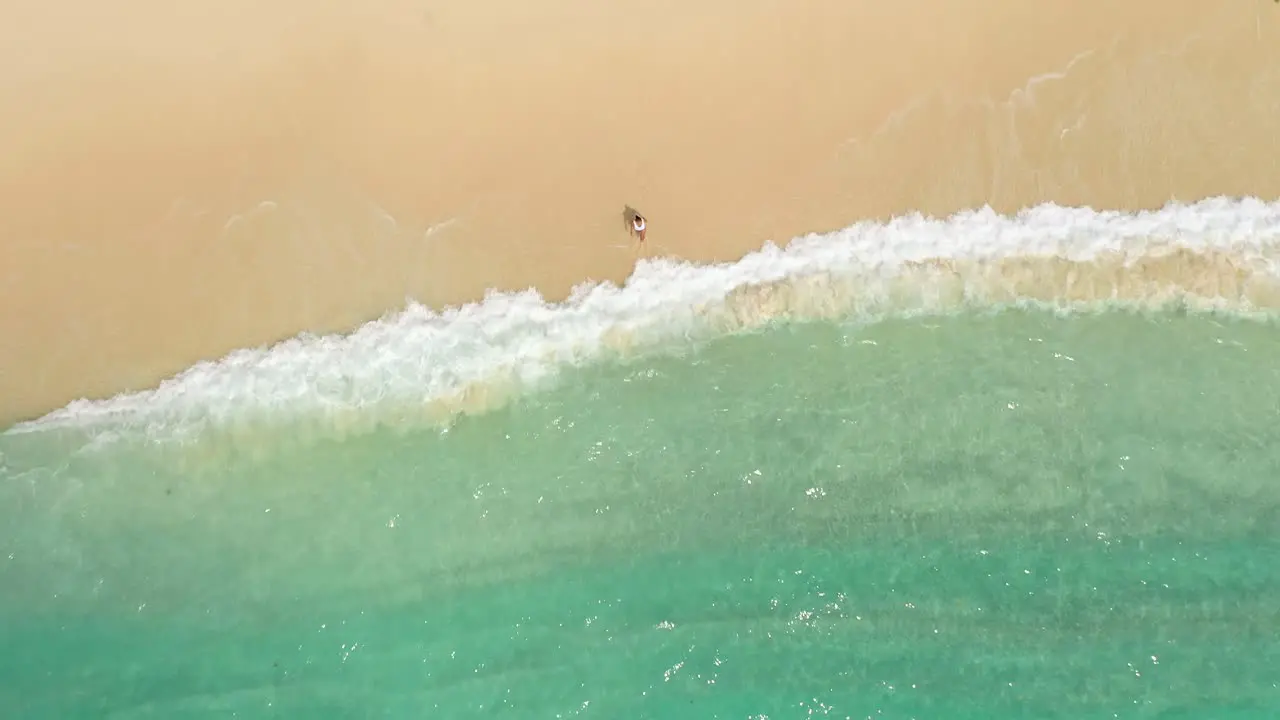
421,366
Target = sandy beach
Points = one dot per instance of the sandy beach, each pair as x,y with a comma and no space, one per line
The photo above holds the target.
178,181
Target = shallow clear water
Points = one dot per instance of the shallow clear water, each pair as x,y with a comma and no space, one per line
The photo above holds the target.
998,515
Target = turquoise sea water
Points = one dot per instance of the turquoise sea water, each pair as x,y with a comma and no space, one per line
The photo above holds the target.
1013,514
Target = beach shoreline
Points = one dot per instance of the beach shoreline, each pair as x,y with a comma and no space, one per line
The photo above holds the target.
180,183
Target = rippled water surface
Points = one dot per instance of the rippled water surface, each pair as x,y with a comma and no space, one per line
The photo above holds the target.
988,515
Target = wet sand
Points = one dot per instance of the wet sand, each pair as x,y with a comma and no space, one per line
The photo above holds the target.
177,181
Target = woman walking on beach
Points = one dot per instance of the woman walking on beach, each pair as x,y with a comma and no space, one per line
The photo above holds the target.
638,225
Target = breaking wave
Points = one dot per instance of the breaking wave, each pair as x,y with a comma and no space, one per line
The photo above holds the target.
421,367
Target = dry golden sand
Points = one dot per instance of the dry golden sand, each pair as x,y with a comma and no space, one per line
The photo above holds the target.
181,179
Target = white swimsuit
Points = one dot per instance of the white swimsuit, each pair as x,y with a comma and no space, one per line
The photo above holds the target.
639,224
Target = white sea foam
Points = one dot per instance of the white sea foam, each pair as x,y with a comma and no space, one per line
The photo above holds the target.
423,366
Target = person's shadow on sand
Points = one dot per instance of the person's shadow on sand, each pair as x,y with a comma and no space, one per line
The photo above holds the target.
629,215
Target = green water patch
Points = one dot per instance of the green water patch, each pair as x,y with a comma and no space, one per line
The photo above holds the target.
1010,514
